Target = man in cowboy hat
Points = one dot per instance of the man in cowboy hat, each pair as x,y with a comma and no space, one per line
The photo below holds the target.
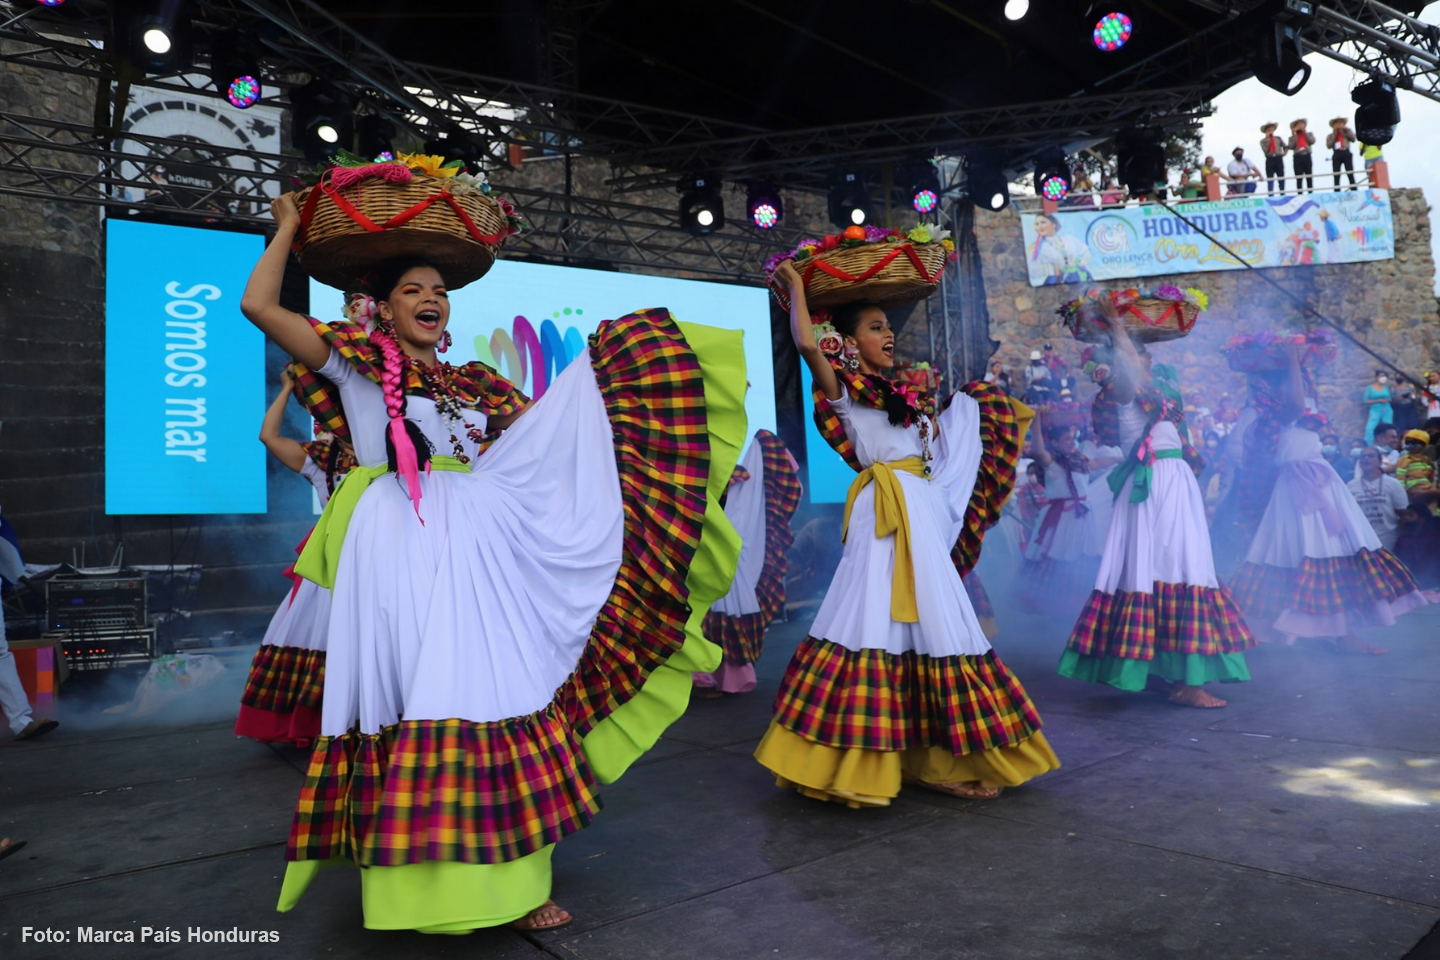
1340,140
1274,150
1300,145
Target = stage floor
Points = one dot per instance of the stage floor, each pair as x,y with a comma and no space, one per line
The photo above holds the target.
1301,822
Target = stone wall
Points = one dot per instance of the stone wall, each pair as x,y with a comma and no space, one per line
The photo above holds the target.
52,403
1388,305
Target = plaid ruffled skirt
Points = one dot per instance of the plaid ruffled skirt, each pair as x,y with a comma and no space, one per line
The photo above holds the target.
488,670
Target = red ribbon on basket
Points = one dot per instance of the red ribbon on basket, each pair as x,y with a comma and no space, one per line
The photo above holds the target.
400,219
1160,320
844,276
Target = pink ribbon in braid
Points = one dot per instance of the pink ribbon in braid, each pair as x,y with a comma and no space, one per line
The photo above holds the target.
392,380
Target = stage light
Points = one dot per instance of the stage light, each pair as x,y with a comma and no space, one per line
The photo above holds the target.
763,206
1377,113
701,208
989,188
849,201
153,35
923,193
1277,59
1052,174
49,3
320,118
235,68
243,92
157,40
1015,9
373,136
1140,159
1112,31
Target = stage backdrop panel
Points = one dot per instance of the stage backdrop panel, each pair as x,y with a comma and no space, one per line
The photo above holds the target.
184,372
1080,246
529,320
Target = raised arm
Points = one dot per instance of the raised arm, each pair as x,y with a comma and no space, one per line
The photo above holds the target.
1129,373
261,302
1042,455
287,451
1293,403
803,332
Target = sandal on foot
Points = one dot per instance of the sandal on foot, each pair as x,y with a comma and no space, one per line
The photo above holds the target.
533,921
963,790
1353,644
1196,697
8,846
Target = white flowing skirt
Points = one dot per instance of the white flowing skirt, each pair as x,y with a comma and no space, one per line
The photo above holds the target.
1102,505
856,611
1287,534
482,612
1162,539
1073,536
301,621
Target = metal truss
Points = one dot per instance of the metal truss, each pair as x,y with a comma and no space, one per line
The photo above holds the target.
808,155
57,160
586,229
1380,41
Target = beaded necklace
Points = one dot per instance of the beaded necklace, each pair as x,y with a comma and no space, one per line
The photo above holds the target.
439,384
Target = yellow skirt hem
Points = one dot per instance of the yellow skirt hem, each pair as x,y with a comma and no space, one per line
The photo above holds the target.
872,778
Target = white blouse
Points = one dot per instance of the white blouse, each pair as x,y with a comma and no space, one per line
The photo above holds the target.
364,402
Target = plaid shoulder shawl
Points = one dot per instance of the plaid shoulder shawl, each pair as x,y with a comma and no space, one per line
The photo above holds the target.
1002,435
1160,402
478,385
329,456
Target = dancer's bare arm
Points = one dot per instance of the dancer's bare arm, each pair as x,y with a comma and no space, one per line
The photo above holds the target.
803,332
261,302
1129,372
284,449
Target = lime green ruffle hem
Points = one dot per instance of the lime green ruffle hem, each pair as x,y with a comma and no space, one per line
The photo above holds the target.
633,728
1192,669
456,898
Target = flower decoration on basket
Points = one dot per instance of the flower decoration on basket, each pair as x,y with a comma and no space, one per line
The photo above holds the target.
1153,314
1096,364
1265,350
867,263
357,213
918,375
827,338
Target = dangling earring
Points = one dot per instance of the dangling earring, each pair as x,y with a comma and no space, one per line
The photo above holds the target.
850,360
445,343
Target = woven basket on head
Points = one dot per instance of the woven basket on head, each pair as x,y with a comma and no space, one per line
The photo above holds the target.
346,231
884,273
1149,321
1254,358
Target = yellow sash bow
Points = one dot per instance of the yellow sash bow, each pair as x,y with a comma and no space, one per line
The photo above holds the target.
891,518
320,557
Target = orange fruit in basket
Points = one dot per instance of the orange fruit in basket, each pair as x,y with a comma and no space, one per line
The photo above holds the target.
854,233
